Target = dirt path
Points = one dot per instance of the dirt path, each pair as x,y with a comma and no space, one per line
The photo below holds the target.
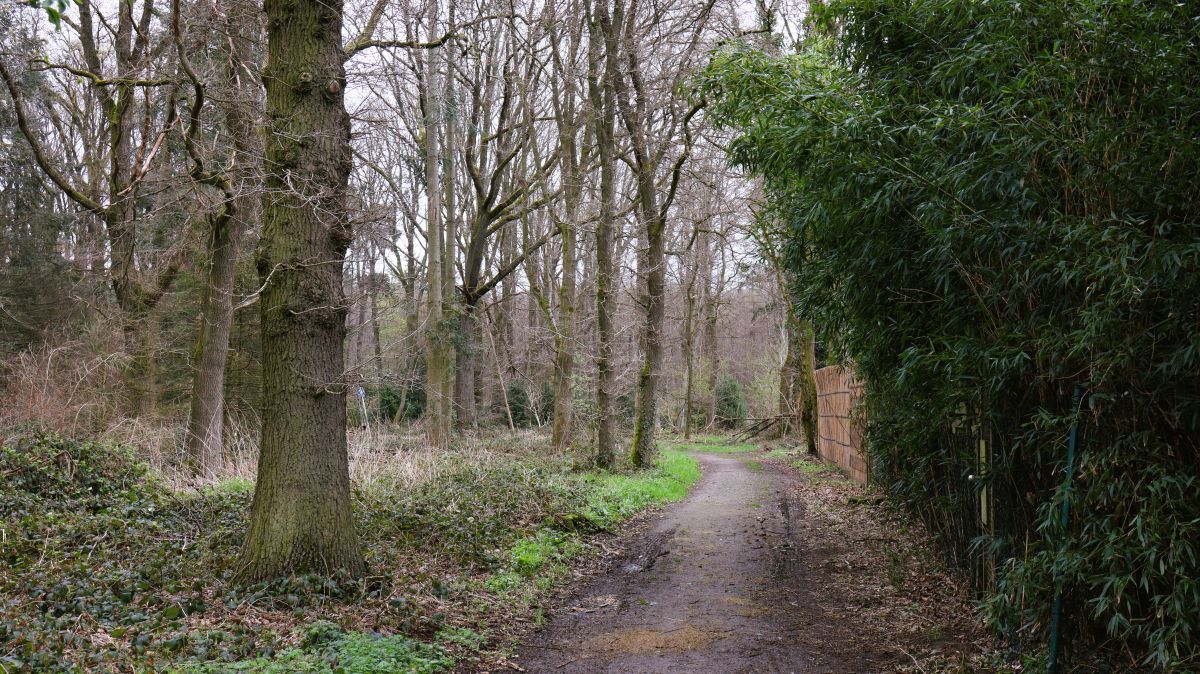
715,585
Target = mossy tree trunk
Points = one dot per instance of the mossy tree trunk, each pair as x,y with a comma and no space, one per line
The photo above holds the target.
711,299
646,417
797,379
569,122
206,419
688,336
301,519
466,365
439,355
564,357
241,212
654,223
602,59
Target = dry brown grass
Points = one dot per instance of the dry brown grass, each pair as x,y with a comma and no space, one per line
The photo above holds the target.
71,387
68,385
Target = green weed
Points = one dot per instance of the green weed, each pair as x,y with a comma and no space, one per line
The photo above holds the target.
811,466
737,448
614,497
327,650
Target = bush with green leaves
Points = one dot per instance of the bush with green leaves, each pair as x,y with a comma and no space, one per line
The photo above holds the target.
986,206
411,394
525,411
731,402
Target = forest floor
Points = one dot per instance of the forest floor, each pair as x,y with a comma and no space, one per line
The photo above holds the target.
109,562
774,563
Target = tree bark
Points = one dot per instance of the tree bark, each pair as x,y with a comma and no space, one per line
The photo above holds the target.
807,385
438,348
206,421
646,418
448,121
689,340
711,299
205,444
564,358
300,519
654,228
603,117
466,365
788,400
797,378
565,325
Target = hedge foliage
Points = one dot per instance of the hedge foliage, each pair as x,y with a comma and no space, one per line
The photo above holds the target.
986,206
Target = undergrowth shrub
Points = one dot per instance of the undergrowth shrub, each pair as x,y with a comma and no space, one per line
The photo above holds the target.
472,512
104,566
89,532
731,402
527,411
411,394
519,406
326,649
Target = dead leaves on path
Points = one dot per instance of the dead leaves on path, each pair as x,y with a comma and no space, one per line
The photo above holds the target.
876,572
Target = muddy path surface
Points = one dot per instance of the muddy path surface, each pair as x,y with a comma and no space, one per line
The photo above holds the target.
721,582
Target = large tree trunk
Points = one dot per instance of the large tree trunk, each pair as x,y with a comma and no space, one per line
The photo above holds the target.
564,359
710,299
376,342
600,91
807,385
647,390
449,252
566,323
797,379
300,520
712,354
788,400
564,337
688,348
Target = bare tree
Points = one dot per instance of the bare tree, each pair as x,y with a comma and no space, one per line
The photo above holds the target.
237,179
119,59
649,152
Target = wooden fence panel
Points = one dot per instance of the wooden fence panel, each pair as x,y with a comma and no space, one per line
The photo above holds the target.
839,437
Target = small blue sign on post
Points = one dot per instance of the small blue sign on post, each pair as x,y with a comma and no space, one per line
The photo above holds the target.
362,401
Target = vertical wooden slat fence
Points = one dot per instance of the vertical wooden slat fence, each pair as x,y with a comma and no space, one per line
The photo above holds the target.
839,436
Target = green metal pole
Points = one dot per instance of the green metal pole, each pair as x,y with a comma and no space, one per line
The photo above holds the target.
1064,520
